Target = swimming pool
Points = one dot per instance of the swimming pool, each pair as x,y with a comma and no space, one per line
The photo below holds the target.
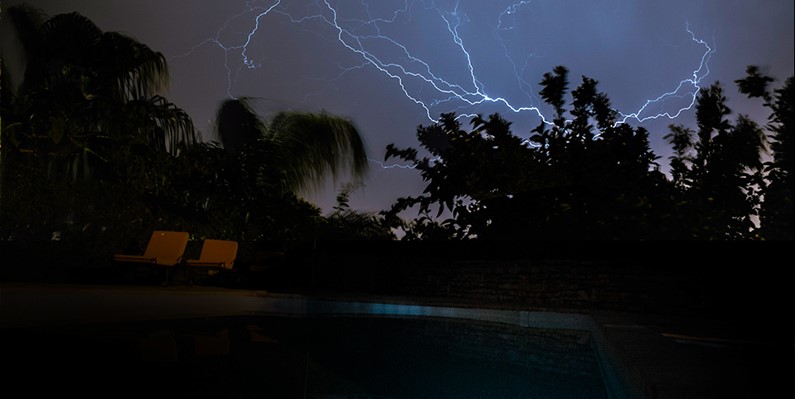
299,348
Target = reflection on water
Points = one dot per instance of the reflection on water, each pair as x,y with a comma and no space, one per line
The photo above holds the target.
281,357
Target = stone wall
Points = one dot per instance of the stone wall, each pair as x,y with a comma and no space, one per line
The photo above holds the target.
723,278
659,276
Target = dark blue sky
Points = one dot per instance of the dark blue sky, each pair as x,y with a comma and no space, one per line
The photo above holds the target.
391,65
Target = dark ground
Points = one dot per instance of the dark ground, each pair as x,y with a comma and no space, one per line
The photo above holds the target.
715,319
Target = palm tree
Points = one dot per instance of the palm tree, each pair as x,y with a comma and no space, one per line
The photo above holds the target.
83,91
83,120
295,150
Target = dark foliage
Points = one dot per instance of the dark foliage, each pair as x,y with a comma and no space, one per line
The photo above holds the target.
583,176
93,157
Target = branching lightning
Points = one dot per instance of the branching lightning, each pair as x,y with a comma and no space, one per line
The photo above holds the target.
691,84
376,38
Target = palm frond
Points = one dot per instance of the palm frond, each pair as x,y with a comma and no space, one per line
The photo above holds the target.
314,146
161,124
133,69
70,38
6,88
27,20
237,124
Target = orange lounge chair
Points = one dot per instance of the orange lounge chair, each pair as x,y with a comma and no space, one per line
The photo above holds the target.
165,248
215,256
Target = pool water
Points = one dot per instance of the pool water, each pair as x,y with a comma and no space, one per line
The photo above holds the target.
302,357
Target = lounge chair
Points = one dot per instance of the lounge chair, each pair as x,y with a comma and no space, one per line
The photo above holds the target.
215,256
165,249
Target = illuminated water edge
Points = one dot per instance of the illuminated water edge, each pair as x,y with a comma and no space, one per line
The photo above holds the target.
616,387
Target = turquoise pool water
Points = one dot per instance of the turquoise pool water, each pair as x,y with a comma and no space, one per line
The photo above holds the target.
316,349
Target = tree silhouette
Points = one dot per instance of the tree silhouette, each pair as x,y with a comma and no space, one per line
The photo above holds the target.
89,99
717,170
776,216
244,186
84,124
585,176
345,223
85,91
298,150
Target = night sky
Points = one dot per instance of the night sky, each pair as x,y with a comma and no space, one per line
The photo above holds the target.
391,65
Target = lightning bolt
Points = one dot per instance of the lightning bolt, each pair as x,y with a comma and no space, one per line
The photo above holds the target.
377,38
687,88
